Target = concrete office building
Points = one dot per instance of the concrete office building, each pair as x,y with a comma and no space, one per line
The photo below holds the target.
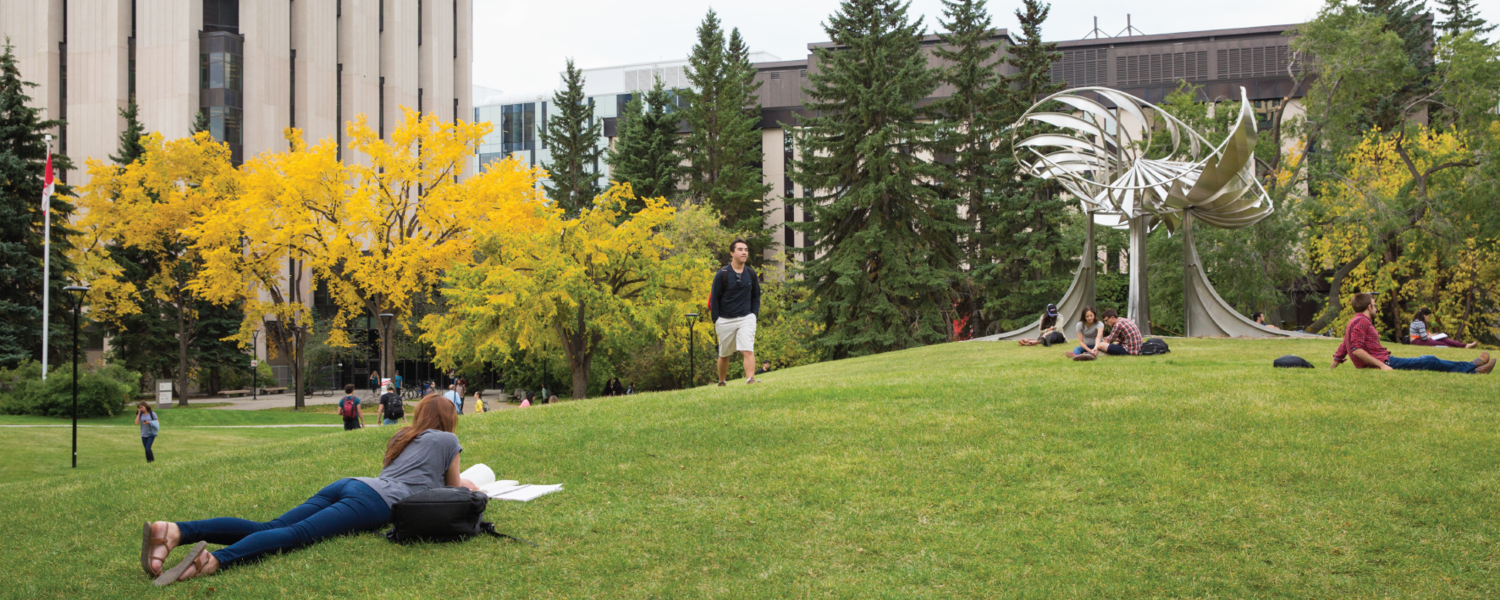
1147,66
254,67
518,119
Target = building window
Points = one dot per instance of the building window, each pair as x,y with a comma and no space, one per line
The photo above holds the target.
220,71
224,124
221,15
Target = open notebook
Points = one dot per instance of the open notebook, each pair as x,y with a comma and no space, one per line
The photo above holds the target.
505,489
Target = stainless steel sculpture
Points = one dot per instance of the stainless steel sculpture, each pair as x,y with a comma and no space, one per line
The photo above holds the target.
1133,166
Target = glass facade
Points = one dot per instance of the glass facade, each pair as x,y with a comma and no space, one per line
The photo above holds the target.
220,71
224,122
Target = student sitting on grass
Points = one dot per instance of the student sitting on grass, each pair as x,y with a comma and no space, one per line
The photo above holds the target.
1420,336
1090,332
1049,334
1124,338
422,456
1362,344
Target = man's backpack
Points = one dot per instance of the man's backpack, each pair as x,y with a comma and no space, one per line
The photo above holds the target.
446,514
1153,347
1291,362
394,407
347,407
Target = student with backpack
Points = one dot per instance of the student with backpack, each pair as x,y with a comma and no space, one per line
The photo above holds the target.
420,457
354,418
392,409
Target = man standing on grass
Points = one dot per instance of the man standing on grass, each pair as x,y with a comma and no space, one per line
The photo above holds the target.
1362,344
1124,338
734,304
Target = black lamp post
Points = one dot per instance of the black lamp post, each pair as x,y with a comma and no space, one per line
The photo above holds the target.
385,345
254,366
692,336
297,365
78,291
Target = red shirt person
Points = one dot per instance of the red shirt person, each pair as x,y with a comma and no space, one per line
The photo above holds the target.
1362,345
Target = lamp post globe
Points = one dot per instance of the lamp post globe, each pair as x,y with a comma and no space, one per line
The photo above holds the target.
78,292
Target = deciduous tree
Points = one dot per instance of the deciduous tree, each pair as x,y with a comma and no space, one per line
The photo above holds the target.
576,284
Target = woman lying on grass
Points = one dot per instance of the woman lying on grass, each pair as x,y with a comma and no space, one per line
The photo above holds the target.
422,456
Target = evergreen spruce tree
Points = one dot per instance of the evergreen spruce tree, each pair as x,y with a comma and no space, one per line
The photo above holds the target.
23,158
145,342
969,129
884,257
645,155
1027,264
572,134
722,150
1460,16
1409,20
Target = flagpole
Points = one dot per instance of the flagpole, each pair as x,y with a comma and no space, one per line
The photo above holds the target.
46,254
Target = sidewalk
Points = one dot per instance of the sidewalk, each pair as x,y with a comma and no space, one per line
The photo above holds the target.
287,400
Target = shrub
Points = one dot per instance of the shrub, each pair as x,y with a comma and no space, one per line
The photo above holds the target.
102,391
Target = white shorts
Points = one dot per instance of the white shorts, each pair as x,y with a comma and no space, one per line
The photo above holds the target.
736,335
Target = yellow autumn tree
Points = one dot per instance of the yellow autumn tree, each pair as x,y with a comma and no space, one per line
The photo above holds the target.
376,232
151,205
575,285
1393,224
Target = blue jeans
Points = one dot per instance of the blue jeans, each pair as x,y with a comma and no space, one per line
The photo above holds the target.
147,441
345,506
1431,363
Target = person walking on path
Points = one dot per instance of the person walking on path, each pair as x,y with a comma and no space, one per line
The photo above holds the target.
1124,338
374,380
420,457
1421,337
478,401
392,410
1362,345
734,303
460,385
150,426
354,418
396,383
457,400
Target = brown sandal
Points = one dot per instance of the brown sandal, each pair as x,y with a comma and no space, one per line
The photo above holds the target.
171,575
148,542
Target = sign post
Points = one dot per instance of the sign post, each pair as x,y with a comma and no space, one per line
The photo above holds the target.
163,394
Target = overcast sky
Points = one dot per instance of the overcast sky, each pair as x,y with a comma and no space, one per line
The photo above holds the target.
521,45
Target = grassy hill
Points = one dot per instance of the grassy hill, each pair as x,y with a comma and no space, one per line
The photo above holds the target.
961,470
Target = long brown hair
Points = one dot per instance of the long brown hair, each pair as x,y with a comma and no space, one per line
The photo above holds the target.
143,404
1083,318
433,412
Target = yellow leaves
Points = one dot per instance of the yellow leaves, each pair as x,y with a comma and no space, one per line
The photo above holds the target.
575,283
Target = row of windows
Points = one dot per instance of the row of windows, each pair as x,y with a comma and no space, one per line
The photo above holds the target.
220,70
225,123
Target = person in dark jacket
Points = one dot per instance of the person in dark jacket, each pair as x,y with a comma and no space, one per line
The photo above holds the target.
734,304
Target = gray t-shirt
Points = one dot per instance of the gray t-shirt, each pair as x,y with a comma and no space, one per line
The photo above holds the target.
1419,329
146,420
1090,332
420,466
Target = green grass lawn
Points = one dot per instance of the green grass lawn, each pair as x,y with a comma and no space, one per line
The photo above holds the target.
961,470
112,443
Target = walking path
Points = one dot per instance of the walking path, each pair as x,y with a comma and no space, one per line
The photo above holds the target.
287,400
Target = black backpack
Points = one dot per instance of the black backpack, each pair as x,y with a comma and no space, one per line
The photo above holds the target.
1291,362
445,514
1153,347
394,407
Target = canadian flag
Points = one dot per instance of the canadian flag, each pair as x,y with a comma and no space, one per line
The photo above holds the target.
47,186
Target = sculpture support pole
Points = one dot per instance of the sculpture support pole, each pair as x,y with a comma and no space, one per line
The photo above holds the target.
1139,307
1188,266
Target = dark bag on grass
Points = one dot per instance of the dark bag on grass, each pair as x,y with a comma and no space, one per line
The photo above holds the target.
446,514
1153,347
1291,362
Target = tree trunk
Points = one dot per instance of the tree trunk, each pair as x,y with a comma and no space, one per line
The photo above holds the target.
1332,308
182,361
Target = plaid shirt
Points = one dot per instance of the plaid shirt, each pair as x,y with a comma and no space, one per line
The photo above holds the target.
1125,333
1361,335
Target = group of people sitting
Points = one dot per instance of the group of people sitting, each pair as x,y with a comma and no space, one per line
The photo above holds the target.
1124,337
613,388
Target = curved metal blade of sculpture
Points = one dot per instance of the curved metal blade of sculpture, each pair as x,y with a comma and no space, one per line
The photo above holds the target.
1101,145
1110,159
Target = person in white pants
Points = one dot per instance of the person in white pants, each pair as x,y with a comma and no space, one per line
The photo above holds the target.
734,304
